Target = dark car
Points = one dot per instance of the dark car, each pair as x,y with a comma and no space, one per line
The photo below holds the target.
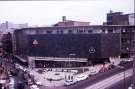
122,63
111,66
20,85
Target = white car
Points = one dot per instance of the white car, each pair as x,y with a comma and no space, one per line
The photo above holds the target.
34,87
11,80
10,86
131,86
81,77
11,83
37,82
17,66
67,83
24,69
92,71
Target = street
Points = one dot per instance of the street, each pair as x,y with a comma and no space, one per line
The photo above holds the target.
105,80
120,84
104,84
18,78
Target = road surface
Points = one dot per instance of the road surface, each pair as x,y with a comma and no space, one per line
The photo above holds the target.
120,84
104,84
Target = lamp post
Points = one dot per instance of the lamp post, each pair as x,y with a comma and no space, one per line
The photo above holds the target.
134,72
71,55
35,43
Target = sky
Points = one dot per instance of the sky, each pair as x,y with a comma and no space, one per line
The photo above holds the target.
50,12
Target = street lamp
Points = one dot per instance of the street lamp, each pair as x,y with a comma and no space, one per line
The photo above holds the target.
35,43
70,56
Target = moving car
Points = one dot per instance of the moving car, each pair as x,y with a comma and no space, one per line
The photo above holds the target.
92,71
81,77
67,83
18,66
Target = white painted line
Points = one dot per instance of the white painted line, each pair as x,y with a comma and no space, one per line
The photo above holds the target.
111,80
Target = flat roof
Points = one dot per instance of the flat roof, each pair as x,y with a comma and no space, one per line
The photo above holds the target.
55,27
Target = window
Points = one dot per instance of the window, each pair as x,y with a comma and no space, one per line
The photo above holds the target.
70,31
110,30
48,31
103,30
89,31
59,31
80,31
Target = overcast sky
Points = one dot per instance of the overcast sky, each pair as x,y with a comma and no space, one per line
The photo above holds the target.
50,12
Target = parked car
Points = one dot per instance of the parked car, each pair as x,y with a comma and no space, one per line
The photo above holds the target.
11,83
11,80
69,80
81,77
29,81
17,66
67,83
9,74
11,86
14,72
34,87
20,85
37,82
131,86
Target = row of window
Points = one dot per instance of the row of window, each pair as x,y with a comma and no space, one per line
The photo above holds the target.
70,31
127,30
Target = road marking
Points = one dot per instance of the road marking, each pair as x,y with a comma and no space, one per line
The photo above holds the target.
111,80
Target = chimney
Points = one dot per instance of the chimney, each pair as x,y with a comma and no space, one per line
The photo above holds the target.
63,18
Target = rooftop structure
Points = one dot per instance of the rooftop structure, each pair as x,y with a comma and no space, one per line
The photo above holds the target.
118,18
69,23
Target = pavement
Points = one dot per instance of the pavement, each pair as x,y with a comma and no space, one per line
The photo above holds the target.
6,63
43,77
59,84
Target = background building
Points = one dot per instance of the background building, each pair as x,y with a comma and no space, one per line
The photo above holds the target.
9,26
1,37
118,18
69,23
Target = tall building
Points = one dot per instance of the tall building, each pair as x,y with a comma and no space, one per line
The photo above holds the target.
1,50
77,43
118,18
131,19
9,26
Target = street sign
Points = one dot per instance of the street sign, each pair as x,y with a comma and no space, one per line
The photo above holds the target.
92,50
35,42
